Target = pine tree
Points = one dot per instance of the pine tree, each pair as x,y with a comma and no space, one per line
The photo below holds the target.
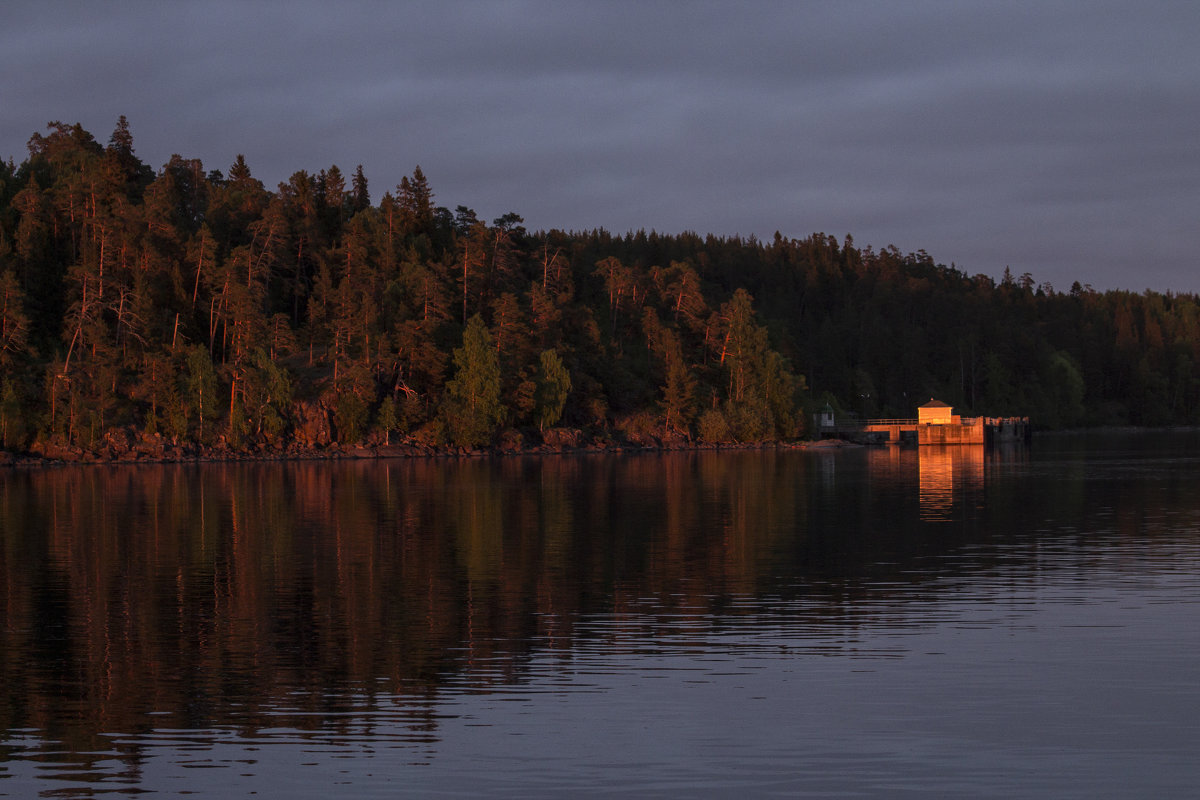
553,386
472,406
360,198
679,390
415,204
14,324
386,418
200,386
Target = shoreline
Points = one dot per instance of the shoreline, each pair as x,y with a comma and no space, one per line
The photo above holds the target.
162,453
193,454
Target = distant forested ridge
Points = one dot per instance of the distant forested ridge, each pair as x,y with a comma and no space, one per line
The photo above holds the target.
196,309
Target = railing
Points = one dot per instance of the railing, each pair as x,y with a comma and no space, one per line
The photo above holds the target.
968,421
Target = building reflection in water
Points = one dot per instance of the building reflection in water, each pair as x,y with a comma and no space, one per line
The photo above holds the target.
949,474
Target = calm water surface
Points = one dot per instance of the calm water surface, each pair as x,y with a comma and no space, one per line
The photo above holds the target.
865,623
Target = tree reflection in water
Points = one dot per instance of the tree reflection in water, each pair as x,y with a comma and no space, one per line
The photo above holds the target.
334,595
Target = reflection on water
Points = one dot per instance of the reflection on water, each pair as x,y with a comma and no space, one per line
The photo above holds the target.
291,628
187,592
949,474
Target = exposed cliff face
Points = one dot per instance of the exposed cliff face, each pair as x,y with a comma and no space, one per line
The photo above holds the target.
313,424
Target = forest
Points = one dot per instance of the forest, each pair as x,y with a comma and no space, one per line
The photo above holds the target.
194,311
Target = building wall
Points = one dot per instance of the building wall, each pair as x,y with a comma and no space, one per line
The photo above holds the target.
935,416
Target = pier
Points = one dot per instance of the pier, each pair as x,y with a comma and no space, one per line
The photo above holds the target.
936,424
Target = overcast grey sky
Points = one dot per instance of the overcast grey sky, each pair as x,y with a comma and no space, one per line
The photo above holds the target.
1056,138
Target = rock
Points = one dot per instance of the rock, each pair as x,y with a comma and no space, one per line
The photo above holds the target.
314,427
511,441
830,444
562,438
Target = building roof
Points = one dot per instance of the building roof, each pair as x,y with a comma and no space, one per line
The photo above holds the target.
935,404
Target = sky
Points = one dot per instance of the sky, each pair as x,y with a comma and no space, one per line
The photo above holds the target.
1056,138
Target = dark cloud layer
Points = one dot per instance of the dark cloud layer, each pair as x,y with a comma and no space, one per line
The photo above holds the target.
1056,138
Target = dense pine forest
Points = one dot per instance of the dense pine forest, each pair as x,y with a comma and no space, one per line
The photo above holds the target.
190,311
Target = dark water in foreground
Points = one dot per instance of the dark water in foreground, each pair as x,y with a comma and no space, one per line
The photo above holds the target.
859,623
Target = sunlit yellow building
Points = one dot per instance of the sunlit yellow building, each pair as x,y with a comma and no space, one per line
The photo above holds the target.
935,412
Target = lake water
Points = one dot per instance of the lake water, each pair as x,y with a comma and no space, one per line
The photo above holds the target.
861,623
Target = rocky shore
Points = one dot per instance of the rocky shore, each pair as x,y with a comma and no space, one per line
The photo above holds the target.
128,447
